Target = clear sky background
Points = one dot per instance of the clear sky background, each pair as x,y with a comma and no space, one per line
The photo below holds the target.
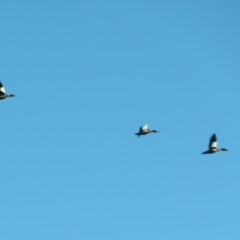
87,75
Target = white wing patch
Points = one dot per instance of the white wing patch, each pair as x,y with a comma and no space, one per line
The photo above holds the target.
214,145
2,89
144,128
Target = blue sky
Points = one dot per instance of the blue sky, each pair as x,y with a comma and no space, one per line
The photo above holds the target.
87,75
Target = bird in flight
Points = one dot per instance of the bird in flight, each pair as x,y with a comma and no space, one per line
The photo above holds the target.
143,130
212,147
3,94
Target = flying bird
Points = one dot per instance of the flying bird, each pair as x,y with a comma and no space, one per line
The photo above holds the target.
143,130
212,147
3,95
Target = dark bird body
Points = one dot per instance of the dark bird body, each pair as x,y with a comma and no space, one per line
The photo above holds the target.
3,94
143,130
212,147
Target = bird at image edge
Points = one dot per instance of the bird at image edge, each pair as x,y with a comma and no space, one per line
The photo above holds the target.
143,130
212,147
3,95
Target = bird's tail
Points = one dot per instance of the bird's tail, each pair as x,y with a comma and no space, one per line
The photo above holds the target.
137,134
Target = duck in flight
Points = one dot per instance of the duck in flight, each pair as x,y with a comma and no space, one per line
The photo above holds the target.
143,130
212,147
3,95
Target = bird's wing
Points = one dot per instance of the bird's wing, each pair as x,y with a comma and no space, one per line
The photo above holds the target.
213,141
144,128
2,89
